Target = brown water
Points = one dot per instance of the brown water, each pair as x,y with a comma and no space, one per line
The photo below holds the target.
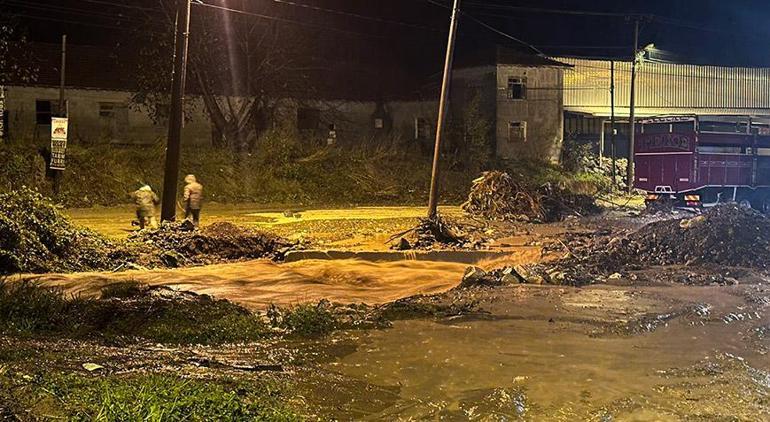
532,369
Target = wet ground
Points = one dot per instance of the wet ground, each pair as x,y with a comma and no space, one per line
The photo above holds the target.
620,352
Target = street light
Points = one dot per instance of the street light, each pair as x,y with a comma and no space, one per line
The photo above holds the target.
638,57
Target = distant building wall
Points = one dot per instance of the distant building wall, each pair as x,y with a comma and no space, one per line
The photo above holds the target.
98,116
530,118
95,116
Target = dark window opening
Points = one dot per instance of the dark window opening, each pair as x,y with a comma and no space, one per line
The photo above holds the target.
308,118
517,88
43,112
517,132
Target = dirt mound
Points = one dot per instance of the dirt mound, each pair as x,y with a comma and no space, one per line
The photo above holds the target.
36,237
497,195
177,244
439,233
727,236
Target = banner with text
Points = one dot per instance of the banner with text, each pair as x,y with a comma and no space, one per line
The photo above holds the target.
58,142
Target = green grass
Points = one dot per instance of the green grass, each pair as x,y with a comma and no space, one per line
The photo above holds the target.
305,320
126,311
153,397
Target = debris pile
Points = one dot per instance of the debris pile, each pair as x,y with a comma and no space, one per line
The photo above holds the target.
36,237
178,244
497,195
438,232
727,235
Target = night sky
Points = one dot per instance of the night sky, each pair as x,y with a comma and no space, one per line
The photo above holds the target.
704,31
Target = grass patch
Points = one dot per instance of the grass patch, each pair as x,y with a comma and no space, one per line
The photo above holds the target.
305,320
154,397
126,311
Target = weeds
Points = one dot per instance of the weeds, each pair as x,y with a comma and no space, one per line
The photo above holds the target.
305,320
161,398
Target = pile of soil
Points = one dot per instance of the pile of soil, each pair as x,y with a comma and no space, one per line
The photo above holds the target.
36,237
498,196
178,244
725,236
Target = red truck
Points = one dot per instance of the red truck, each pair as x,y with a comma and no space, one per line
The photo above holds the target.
699,161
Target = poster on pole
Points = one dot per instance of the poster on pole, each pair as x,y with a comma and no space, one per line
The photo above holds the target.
58,142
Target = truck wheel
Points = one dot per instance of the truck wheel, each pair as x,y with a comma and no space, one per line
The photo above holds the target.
745,204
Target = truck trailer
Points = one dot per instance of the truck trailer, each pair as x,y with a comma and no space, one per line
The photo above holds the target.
700,161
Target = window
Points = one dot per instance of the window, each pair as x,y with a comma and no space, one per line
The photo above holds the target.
517,132
113,118
43,112
517,88
421,128
656,128
308,118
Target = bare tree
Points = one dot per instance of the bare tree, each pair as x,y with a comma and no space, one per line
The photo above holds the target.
241,66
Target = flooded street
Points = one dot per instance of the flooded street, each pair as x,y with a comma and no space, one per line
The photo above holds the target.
567,364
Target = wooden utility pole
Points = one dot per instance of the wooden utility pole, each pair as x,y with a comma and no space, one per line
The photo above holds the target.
173,147
56,174
632,120
612,122
442,110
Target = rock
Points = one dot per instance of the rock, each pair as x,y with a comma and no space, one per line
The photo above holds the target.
477,277
403,245
615,276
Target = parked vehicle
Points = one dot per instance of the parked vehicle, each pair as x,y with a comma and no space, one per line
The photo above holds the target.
699,161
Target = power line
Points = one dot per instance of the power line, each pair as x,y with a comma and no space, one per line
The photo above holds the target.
69,10
286,20
491,28
555,11
123,5
356,15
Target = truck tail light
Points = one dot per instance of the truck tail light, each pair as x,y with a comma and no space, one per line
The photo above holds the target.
692,198
652,197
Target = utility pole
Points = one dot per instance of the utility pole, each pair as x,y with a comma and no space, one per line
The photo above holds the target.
612,122
56,174
173,147
442,110
632,120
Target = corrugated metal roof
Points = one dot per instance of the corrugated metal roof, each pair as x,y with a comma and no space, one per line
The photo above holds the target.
666,88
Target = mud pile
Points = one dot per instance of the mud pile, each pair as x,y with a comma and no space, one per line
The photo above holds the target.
724,236
499,196
35,237
179,244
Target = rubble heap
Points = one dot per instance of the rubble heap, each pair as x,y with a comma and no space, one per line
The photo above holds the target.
36,237
727,235
178,244
497,195
439,232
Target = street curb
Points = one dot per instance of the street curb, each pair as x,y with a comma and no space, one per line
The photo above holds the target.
462,257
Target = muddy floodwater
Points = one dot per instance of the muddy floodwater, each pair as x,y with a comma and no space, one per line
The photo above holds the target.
598,354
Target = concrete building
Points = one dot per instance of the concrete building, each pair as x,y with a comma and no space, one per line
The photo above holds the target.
519,94
523,94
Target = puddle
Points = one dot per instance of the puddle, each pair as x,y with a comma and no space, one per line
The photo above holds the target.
535,370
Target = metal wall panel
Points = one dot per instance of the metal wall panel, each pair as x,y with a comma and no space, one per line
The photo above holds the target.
666,88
